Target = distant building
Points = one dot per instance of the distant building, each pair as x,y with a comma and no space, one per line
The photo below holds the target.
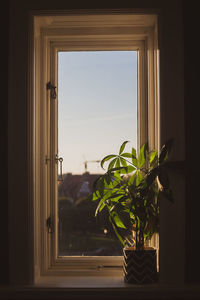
84,189
74,187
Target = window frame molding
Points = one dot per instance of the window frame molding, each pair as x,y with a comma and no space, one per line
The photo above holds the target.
121,31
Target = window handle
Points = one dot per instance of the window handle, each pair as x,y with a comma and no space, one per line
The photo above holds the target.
49,224
52,89
59,160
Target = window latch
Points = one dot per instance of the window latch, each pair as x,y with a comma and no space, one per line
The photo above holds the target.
59,160
52,89
49,224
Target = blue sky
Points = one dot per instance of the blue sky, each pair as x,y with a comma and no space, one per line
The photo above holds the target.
97,106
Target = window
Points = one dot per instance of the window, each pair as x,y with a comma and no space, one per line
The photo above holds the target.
83,32
93,120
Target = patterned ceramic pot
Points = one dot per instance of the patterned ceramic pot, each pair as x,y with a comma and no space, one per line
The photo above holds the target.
140,267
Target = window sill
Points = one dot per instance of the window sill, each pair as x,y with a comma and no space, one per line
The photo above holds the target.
112,288
96,281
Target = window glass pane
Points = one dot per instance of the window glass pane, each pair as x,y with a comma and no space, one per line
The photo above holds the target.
97,111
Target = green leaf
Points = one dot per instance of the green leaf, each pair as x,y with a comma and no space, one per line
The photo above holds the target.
153,157
123,162
108,179
117,169
117,165
102,202
131,169
123,200
117,195
100,186
122,147
142,156
139,178
116,231
102,206
116,181
112,163
108,193
134,158
117,220
124,170
126,154
134,152
128,169
108,157
165,151
95,196
95,182
132,179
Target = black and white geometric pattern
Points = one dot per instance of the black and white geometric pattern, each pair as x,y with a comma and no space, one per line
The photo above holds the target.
140,266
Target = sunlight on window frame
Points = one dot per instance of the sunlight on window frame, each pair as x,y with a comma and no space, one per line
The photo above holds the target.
84,32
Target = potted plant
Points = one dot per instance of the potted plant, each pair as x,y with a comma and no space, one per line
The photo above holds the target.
131,190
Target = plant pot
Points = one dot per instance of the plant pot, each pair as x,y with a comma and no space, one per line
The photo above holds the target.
140,267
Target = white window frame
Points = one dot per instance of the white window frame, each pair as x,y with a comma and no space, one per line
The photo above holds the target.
85,31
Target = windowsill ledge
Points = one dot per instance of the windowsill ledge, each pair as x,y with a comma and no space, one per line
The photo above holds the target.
81,281
97,288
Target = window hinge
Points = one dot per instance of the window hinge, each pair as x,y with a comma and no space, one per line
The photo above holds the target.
52,89
49,224
47,159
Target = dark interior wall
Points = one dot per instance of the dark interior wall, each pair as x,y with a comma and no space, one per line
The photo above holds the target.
192,111
192,263
4,245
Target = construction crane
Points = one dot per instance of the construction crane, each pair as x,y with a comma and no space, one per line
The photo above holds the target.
88,161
